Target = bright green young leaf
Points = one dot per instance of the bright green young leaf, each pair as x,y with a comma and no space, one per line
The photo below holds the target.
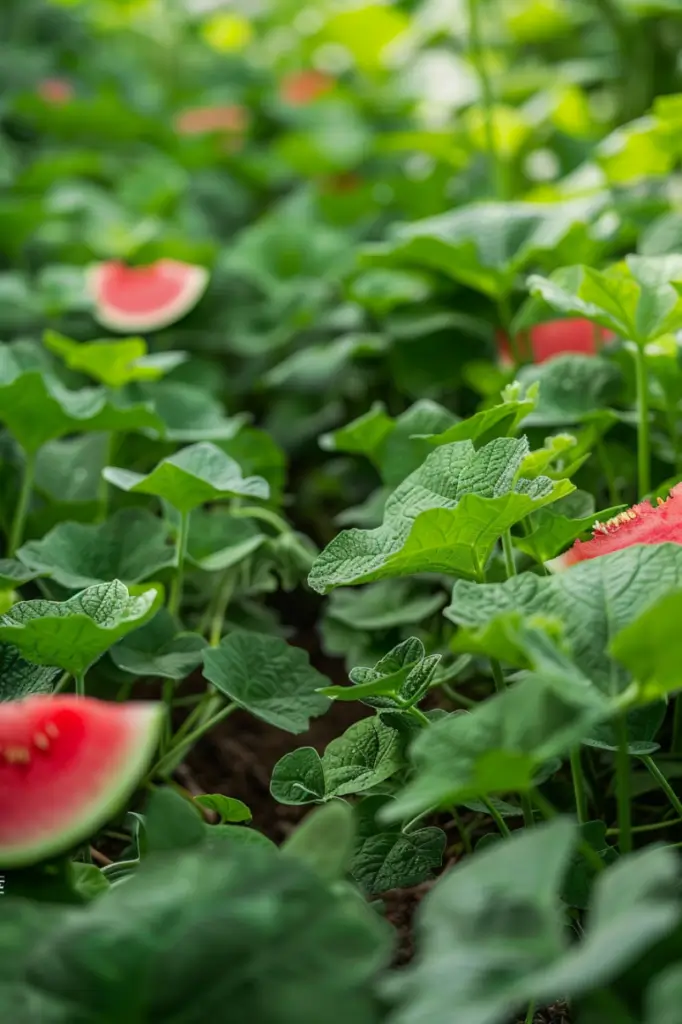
227,807
158,650
650,647
638,299
36,408
75,633
367,754
269,677
486,245
398,680
20,678
494,421
499,746
324,840
193,476
445,517
14,573
487,927
131,546
387,858
260,934
114,362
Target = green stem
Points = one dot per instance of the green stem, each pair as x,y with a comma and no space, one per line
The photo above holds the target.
653,827
175,600
623,787
463,830
497,818
457,698
420,716
527,808
496,670
497,182
103,487
508,550
168,693
530,1015
607,470
643,451
225,592
265,514
676,747
168,762
21,509
581,808
80,683
672,796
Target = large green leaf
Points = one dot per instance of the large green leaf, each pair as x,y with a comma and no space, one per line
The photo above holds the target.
193,476
445,517
37,408
190,934
383,606
388,858
368,753
218,540
189,413
499,746
638,299
115,362
486,245
269,677
14,573
324,840
20,678
651,648
157,649
75,633
573,389
130,546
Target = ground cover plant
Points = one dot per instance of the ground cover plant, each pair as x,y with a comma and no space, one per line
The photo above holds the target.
341,512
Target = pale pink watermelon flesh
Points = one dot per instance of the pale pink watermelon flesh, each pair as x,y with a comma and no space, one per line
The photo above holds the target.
67,765
144,298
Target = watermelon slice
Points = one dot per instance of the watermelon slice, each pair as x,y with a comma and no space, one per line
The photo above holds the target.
67,764
130,299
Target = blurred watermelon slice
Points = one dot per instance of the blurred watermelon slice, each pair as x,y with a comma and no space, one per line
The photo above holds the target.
130,299
67,765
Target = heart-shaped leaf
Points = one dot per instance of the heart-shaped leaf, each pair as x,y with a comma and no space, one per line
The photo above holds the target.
157,649
75,633
37,408
130,546
269,677
191,477
114,363
445,517
388,858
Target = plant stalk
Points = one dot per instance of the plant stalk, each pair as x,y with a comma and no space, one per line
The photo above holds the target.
676,747
225,592
21,510
80,683
497,184
581,808
168,762
175,599
643,447
497,818
508,550
623,787
656,772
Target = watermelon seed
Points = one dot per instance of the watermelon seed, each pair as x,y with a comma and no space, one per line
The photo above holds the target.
17,755
41,741
52,730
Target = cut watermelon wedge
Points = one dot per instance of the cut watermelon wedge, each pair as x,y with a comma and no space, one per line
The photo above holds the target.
67,765
144,298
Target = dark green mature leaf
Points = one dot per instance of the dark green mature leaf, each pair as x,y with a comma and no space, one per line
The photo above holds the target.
368,753
445,517
191,477
388,858
664,997
157,649
20,678
75,633
55,476
638,299
269,677
486,245
172,822
573,389
37,408
130,546
113,362
384,605
14,573
487,927
651,648
189,413
188,935
324,840
218,540
499,746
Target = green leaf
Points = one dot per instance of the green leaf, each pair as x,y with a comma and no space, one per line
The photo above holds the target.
88,880
383,606
229,809
318,366
191,477
298,778
14,573
115,362
218,540
157,649
20,678
386,858
55,477
552,533
399,679
131,546
324,840
269,677
638,299
233,926
75,633
650,647
217,836
445,517
581,873
501,744
573,389
189,413
494,421
595,599
259,454
664,996
486,245
36,408
488,928
172,822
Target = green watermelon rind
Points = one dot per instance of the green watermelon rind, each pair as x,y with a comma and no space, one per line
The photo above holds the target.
144,738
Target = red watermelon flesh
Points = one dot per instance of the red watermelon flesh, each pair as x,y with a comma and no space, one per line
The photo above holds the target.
557,337
67,765
133,299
